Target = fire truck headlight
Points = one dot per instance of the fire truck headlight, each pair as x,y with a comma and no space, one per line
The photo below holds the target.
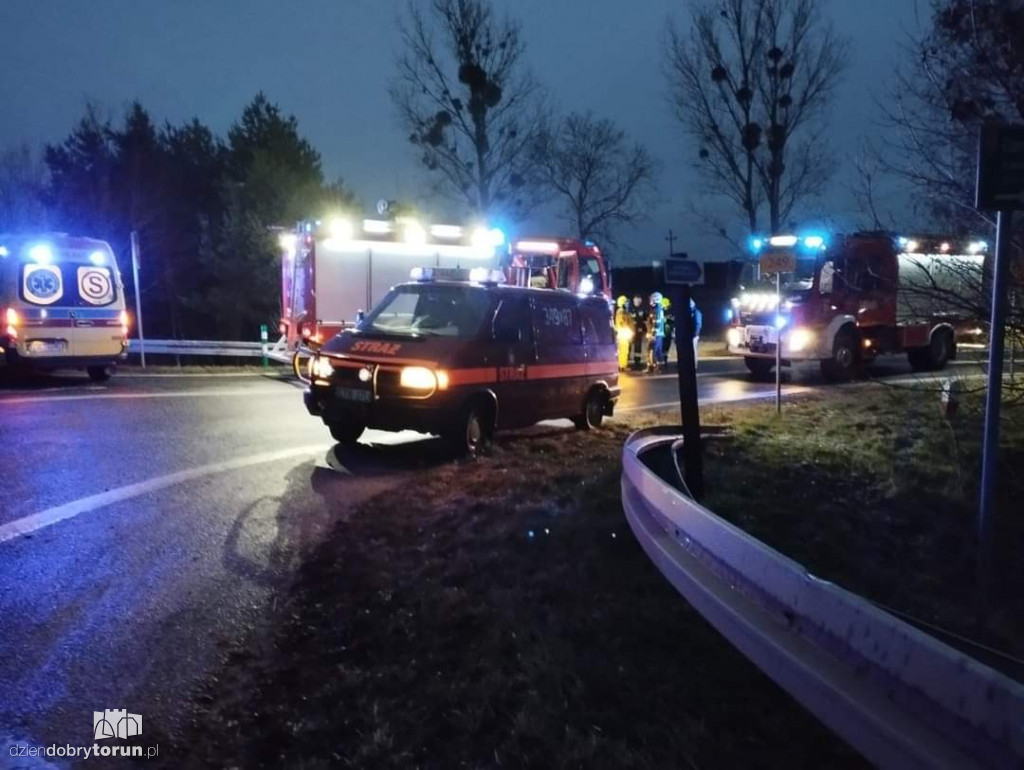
322,368
734,337
800,339
418,378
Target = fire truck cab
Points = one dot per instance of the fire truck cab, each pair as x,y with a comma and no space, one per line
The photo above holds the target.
843,301
560,263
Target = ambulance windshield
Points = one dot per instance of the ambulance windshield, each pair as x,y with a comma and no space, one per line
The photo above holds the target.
429,310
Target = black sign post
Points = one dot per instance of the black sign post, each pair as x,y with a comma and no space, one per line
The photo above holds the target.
1000,189
680,273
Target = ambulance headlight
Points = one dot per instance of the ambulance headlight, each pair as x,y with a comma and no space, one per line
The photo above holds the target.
800,339
734,337
322,368
418,378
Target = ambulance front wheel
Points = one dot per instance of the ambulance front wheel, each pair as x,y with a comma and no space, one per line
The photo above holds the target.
346,432
98,373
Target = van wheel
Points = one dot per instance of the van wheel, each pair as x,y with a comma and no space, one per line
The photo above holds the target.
98,373
845,358
593,411
759,367
346,432
473,429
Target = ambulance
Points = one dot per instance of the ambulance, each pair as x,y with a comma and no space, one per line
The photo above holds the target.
61,304
461,354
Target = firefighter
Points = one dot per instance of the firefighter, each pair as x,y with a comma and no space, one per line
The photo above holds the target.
639,314
670,329
657,332
625,330
697,318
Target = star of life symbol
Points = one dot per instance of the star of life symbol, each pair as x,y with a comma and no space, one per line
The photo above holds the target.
115,723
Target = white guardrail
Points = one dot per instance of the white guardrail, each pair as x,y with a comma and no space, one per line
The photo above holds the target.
276,351
899,696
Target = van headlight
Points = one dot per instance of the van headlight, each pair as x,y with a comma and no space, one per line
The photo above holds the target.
322,368
418,378
800,339
734,337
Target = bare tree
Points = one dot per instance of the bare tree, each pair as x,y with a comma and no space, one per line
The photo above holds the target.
966,69
599,177
469,103
752,82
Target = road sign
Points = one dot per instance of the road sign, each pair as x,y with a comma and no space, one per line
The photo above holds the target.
679,271
1001,168
778,262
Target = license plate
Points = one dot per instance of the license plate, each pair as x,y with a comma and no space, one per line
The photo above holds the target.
354,394
47,346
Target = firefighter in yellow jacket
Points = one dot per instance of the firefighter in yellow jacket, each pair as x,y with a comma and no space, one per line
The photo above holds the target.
625,330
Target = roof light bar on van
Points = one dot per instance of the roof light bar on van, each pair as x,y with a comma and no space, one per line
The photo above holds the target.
486,275
538,247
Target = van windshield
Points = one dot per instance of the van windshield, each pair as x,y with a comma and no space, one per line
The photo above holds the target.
430,310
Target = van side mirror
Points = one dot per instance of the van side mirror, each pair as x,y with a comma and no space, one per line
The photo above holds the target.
508,335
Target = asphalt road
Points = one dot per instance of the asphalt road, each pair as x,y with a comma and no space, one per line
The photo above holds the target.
146,523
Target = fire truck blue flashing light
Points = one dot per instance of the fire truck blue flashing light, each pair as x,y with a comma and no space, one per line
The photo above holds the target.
756,244
814,241
780,321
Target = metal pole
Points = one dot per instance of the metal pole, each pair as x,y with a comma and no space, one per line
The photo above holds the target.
1013,340
993,399
778,344
138,296
689,407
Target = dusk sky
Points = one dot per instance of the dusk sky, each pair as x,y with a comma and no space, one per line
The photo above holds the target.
329,62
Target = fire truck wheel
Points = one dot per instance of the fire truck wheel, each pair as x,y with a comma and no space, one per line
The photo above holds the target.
473,429
845,358
98,373
759,367
593,411
346,432
935,356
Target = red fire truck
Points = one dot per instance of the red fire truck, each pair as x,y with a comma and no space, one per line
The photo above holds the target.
845,300
332,271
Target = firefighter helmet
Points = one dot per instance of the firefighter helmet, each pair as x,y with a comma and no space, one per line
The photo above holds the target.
666,303
622,301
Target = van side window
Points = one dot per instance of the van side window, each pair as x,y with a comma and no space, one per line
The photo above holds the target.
556,321
597,323
513,317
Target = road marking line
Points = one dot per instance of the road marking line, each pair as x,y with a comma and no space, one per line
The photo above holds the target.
147,375
50,516
208,392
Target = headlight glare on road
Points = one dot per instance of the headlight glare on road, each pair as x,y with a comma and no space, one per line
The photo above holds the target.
800,339
734,337
418,378
322,368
